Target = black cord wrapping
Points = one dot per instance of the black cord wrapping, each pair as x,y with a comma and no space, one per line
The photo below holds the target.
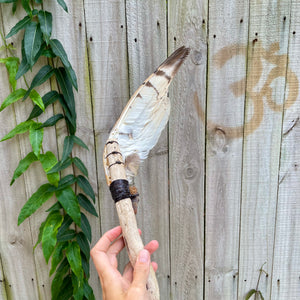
119,190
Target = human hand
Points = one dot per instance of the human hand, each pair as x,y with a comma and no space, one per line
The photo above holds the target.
132,284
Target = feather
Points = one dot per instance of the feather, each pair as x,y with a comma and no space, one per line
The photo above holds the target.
147,112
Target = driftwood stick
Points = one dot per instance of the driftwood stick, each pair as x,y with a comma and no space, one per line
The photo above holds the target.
115,170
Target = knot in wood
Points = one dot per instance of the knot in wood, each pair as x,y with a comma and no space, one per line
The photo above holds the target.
196,57
190,172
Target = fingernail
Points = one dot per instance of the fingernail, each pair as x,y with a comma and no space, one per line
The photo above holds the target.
144,256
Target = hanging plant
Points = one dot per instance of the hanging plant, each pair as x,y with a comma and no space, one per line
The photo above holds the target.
69,249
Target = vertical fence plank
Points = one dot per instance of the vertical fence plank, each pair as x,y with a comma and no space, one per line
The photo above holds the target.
262,137
3,294
187,150
15,242
228,35
147,48
286,264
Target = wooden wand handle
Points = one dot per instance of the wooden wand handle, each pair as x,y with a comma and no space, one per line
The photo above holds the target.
115,170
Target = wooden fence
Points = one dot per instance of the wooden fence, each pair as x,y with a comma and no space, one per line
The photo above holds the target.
221,190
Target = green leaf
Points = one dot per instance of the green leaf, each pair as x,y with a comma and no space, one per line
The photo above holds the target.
61,166
43,74
86,227
65,225
43,194
48,160
32,41
83,244
36,136
66,181
38,1
68,146
48,53
52,120
48,99
85,265
79,142
88,291
261,296
59,51
19,26
12,65
23,165
80,165
86,204
54,207
7,1
37,99
250,293
70,120
67,235
12,98
67,91
74,259
86,187
45,19
77,284
63,4
49,239
40,234
58,278
57,256
24,66
19,129
26,6
66,290
68,200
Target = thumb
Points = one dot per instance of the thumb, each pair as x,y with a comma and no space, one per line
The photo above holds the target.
141,271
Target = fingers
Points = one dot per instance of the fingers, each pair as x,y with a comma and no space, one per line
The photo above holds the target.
104,243
152,246
140,274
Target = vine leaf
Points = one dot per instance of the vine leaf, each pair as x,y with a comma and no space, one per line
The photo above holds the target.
12,65
48,99
49,240
61,166
68,146
86,227
88,292
23,166
40,234
74,259
24,66
48,160
37,99
32,41
36,135
59,51
65,225
45,19
43,74
19,129
66,181
63,4
12,98
80,142
52,120
249,294
86,204
57,281
261,295
57,256
66,290
83,244
19,26
66,236
69,202
7,1
25,4
43,194
77,287
80,165
86,187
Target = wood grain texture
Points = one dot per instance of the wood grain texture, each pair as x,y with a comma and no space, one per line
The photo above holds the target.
227,62
285,272
187,150
147,48
3,294
261,143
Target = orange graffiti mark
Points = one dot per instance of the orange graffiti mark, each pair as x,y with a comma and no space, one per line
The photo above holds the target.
255,71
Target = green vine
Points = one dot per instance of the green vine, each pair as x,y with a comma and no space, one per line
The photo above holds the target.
69,248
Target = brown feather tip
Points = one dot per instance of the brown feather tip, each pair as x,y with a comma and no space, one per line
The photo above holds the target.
176,59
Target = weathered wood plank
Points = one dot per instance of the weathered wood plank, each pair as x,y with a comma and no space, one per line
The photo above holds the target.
147,48
285,272
269,24
228,35
3,294
107,52
16,242
187,150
